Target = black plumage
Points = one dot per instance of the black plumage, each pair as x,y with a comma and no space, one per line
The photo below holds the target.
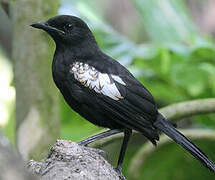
103,91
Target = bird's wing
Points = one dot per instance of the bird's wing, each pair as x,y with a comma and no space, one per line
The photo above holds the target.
121,95
101,83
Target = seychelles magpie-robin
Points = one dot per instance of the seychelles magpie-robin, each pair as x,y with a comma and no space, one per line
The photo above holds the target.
103,91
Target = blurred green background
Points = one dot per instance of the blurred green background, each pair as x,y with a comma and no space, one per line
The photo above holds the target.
168,45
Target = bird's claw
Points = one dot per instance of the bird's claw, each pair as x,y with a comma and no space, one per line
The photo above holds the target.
118,169
98,151
82,143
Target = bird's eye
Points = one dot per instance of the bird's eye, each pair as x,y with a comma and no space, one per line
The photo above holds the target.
68,26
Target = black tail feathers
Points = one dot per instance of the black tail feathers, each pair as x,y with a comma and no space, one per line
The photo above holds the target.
166,127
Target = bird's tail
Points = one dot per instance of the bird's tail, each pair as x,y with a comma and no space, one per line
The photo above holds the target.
166,127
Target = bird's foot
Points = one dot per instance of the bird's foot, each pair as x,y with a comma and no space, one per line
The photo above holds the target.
83,143
118,169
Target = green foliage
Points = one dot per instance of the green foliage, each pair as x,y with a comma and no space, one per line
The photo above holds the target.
177,164
175,64
167,17
7,96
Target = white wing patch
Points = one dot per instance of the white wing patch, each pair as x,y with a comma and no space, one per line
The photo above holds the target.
118,79
99,82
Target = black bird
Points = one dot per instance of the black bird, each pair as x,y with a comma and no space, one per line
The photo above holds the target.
103,91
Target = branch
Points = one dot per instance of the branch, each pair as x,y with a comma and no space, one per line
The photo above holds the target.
5,4
147,149
188,108
68,160
173,112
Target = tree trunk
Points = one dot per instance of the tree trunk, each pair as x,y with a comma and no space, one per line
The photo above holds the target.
11,165
37,107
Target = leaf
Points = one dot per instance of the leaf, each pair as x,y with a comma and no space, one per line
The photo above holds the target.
168,159
165,21
190,77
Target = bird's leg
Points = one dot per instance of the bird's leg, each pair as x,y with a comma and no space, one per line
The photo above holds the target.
102,135
127,135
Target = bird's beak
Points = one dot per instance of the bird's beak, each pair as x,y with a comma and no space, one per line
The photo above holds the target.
40,25
46,27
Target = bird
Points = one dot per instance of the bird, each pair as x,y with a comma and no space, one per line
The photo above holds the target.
103,91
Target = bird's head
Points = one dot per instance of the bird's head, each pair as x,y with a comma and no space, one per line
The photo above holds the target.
65,29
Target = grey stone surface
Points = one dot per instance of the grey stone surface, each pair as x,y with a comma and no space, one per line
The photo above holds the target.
67,161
